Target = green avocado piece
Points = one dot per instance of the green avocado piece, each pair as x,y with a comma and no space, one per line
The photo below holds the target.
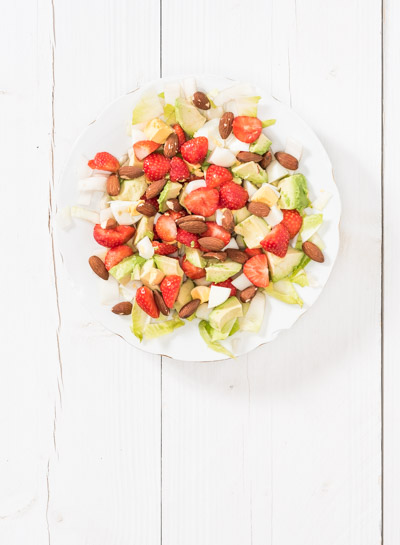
222,314
261,145
144,228
251,171
294,192
124,269
219,272
188,116
170,191
241,214
193,255
184,294
131,190
281,267
168,265
253,229
216,335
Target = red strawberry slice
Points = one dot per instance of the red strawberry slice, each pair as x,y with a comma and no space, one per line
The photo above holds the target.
180,134
215,230
226,284
176,215
253,251
161,248
156,166
179,170
115,255
246,129
292,221
145,300
233,196
256,270
188,239
170,288
166,228
104,161
143,148
195,150
113,237
202,201
215,176
277,241
191,271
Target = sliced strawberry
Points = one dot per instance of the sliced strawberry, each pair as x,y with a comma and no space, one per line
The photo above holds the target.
143,148
233,196
195,150
191,271
226,284
215,176
179,170
116,254
113,237
253,251
202,201
145,300
104,161
246,129
188,239
170,289
166,228
161,248
277,241
176,215
215,230
256,270
180,134
292,221
156,166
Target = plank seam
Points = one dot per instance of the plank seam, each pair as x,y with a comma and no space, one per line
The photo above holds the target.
382,264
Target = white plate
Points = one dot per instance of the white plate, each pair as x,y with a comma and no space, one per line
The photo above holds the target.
108,133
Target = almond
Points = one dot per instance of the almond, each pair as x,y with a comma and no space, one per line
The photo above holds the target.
227,221
287,160
248,294
162,307
259,209
155,188
225,124
130,173
192,217
147,209
213,244
189,309
174,204
111,223
247,156
237,255
221,256
113,185
98,267
122,308
171,146
200,100
266,160
313,252
196,227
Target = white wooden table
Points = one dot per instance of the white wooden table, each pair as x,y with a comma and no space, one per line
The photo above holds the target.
102,444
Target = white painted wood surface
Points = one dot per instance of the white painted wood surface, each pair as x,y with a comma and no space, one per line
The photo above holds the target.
106,445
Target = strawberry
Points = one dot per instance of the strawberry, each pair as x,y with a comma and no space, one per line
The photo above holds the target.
202,201
226,284
166,228
170,288
104,161
145,300
179,170
116,254
180,134
246,129
216,176
113,237
292,221
277,241
188,239
215,230
143,148
191,271
233,196
176,215
161,248
156,166
256,270
253,251
195,150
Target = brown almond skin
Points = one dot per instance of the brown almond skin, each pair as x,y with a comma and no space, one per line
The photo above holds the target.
98,267
313,252
221,256
225,124
247,156
237,255
123,308
191,217
259,209
113,186
287,160
266,160
228,221
189,309
155,188
200,100
196,227
174,204
111,223
212,244
248,294
171,146
147,209
130,173
162,307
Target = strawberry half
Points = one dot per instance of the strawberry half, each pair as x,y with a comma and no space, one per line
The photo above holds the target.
179,170
233,196
188,239
226,284
143,148
113,237
166,228
215,230
246,129
156,166
202,201
292,221
115,255
215,176
145,300
180,134
277,241
161,248
253,251
104,161
195,150
256,270
191,271
170,289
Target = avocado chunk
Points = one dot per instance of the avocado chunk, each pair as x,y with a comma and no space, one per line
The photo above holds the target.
219,272
268,194
184,294
251,171
281,267
222,314
253,229
171,191
168,265
193,255
144,229
216,335
126,268
241,214
188,116
261,145
157,131
131,190
294,192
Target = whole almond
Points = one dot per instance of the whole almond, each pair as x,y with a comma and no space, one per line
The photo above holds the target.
225,124
313,252
287,160
130,173
111,223
162,307
266,160
259,209
248,294
123,308
200,100
212,244
174,204
171,146
98,267
147,209
247,156
227,220
113,186
189,309
221,256
155,188
192,217
237,255
196,227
